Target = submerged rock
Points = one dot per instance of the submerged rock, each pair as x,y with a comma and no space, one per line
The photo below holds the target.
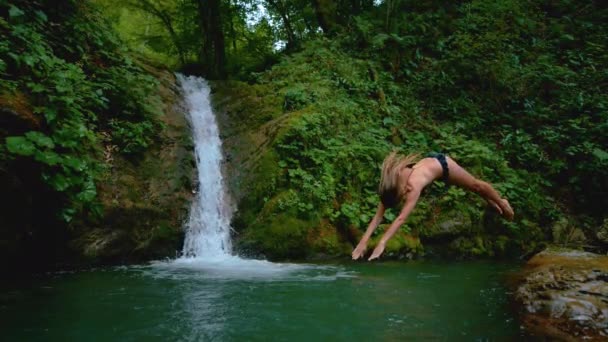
563,294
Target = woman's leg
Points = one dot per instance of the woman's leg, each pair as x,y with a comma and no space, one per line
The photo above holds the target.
463,179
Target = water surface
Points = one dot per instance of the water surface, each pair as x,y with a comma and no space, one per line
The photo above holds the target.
232,299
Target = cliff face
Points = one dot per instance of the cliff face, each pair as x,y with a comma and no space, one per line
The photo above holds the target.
21,193
95,163
251,124
145,200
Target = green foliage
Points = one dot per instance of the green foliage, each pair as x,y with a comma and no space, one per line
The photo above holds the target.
297,98
173,34
281,237
133,137
521,78
512,90
77,85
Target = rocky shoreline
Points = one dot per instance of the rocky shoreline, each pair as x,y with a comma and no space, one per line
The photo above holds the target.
562,294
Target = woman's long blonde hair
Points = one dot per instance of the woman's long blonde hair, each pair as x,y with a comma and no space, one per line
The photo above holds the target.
390,185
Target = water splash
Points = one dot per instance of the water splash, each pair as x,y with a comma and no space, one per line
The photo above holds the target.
233,268
208,227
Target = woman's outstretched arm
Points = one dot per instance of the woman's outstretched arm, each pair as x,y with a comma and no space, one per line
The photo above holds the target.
360,249
410,202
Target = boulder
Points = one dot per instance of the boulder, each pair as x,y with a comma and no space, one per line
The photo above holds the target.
563,294
602,233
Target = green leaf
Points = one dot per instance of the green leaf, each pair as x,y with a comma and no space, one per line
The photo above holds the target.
41,16
50,114
74,163
388,121
49,157
59,182
40,139
36,87
20,146
67,214
568,37
29,60
600,154
88,192
15,57
15,12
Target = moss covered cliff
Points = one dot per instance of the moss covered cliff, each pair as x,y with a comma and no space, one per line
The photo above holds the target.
511,90
145,199
303,161
95,160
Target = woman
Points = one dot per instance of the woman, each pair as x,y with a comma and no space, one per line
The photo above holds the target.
402,180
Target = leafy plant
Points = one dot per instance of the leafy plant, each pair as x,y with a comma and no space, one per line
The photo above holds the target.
77,86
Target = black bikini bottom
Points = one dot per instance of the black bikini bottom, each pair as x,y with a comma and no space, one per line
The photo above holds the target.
444,165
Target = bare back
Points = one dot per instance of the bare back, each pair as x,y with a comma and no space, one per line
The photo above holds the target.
421,174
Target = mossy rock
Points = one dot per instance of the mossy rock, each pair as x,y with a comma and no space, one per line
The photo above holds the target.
566,233
469,246
447,225
501,245
103,244
326,241
602,233
281,236
401,245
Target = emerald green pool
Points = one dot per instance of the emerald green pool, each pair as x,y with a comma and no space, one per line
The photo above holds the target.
244,300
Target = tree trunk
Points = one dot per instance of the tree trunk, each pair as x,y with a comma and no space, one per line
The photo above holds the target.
325,11
388,15
232,31
213,54
279,6
165,18
391,5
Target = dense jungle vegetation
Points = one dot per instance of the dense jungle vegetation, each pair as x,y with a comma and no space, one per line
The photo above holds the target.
514,90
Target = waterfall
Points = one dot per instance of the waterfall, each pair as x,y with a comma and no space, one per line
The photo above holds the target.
207,248
208,227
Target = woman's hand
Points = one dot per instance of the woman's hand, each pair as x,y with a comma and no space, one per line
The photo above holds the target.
377,251
495,206
360,249
362,246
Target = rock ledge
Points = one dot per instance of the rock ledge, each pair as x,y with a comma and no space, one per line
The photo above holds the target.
563,294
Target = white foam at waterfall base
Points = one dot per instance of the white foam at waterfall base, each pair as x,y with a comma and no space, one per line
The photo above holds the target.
236,268
207,246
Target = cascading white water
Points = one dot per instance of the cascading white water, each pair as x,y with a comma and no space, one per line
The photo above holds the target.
208,227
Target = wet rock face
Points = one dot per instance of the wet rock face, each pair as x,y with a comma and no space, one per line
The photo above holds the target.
146,200
564,295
